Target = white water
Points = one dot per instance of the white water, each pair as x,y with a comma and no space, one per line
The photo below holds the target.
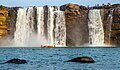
24,26
40,20
24,34
96,33
60,29
50,23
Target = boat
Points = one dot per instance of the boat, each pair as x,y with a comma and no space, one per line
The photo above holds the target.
47,46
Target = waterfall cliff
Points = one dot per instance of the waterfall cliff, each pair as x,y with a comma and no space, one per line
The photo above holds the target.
67,25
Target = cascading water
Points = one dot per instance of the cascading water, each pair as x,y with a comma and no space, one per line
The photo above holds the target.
59,29
110,19
40,21
50,23
96,32
24,26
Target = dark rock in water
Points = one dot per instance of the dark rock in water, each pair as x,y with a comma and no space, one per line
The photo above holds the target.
16,61
83,59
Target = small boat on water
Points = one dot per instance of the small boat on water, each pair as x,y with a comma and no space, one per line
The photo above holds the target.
47,46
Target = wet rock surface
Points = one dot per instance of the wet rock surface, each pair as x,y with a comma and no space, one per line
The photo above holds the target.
16,61
83,59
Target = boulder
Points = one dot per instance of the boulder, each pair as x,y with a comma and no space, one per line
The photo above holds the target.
83,59
16,61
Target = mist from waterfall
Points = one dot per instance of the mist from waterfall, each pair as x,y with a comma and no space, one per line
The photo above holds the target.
96,32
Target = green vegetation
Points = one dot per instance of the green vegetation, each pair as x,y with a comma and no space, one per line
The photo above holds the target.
2,7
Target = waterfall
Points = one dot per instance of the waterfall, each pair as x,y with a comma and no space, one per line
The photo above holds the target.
50,23
59,29
110,19
24,26
26,22
96,32
40,21
53,27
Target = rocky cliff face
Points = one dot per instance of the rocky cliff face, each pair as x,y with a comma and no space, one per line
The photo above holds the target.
4,29
115,36
3,17
111,21
11,20
76,24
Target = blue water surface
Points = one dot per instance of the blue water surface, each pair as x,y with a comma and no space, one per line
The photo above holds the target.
54,58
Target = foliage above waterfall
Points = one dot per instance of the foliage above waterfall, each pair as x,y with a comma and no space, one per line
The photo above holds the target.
2,7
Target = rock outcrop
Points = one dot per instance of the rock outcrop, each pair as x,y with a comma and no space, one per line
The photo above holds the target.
16,61
115,27
111,21
4,29
76,24
11,20
83,59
